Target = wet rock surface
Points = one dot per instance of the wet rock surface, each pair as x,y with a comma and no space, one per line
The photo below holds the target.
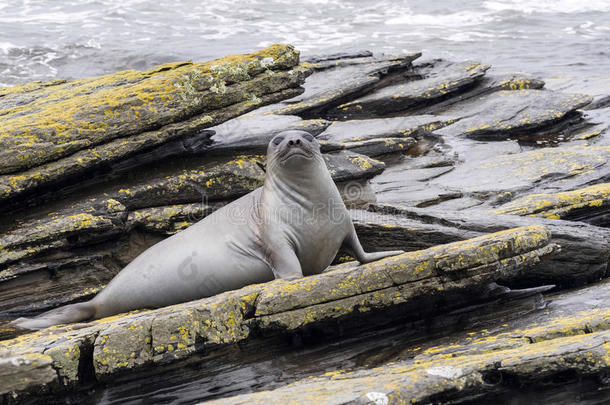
495,186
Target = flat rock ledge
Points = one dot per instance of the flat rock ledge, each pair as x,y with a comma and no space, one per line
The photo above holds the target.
417,283
444,377
587,204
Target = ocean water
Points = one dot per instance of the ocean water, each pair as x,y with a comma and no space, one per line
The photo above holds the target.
46,39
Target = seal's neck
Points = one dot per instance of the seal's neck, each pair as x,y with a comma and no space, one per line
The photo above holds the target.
307,187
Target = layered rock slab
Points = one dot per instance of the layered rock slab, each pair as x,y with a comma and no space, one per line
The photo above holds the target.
584,255
339,80
589,204
444,80
511,112
446,379
552,347
64,129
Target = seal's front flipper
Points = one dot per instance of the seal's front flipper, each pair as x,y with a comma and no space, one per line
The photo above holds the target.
353,244
81,311
285,263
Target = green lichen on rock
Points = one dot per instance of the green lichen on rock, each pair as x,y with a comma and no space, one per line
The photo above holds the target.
80,114
452,269
330,86
75,126
181,330
559,205
123,345
85,222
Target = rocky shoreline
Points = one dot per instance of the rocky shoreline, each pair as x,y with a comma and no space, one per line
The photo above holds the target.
495,187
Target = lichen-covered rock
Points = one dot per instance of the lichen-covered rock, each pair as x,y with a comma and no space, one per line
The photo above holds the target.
181,330
83,113
440,83
584,255
489,83
213,181
345,165
445,378
83,223
513,173
22,373
68,128
566,336
589,204
112,165
123,346
511,113
455,270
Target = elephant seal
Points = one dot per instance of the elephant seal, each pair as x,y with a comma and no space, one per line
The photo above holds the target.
290,227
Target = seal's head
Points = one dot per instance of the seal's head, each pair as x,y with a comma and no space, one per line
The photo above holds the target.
293,150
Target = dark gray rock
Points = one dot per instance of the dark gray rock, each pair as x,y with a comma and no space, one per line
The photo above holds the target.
441,82
507,113
584,252
341,80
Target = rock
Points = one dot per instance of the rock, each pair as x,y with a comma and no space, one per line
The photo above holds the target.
588,204
562,168
65,129
466,314
345,165
215,180
361,130
32,287
418,277
512,113
339,80
129,342
379,136
252,132
534,348
584,248
440,83
168,220
490,83
338,56
448,379
28,372
372,147
81,224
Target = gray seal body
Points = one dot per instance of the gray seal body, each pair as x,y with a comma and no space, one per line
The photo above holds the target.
293,226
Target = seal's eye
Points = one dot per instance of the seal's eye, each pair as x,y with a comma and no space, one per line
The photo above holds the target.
278,140
308,137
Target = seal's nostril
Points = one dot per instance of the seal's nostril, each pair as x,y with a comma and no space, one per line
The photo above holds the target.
298,141
290,142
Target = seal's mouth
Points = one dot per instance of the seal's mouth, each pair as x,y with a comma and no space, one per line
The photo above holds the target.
295,152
